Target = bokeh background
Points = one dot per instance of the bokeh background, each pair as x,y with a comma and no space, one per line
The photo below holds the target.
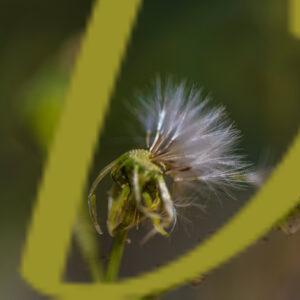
240,52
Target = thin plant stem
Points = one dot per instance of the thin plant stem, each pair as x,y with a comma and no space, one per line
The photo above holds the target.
89,245
116,255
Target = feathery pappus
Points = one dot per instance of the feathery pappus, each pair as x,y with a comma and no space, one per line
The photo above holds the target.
188,142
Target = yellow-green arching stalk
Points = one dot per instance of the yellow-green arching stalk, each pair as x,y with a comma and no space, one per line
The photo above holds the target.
188,143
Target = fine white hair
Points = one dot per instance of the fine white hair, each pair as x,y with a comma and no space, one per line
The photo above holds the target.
194,141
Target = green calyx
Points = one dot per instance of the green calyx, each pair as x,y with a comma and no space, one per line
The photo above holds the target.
139,192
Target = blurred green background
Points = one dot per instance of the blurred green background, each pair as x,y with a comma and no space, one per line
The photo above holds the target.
240,52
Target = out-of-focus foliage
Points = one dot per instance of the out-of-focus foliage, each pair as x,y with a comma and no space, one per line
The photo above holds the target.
44,102
239,51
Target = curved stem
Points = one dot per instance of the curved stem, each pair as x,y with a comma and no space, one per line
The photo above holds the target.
149,297
100,176
116,256
88,244
92,196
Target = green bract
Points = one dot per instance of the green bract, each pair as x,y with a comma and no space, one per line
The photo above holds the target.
139,192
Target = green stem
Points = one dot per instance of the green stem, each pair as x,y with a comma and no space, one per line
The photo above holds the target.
116,256
149,297
88,244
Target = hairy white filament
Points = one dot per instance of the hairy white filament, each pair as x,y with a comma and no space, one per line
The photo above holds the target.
194,141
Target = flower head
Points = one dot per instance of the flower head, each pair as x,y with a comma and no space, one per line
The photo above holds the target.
189,142
194,142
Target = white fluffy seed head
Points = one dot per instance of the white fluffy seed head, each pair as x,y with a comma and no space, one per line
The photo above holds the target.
195,142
